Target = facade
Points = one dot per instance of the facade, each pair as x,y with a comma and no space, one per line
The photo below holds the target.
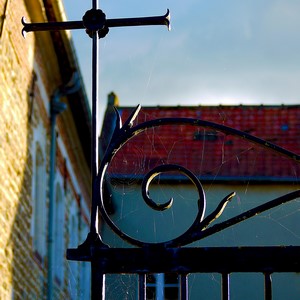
224,164
44,157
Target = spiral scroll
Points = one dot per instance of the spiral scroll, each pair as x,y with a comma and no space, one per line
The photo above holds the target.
167,168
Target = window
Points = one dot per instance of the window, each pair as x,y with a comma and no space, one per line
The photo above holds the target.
85,281
73,226
59,235
162,286
39,204
85,268
73,243
210,136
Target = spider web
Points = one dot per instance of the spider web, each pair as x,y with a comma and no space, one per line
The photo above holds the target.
241,170
245,169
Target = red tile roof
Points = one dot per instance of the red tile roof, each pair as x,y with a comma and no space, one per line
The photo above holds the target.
211,154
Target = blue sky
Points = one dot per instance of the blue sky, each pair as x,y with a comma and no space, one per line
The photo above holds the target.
218,52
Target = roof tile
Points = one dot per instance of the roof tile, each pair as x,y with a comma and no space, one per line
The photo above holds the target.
208,153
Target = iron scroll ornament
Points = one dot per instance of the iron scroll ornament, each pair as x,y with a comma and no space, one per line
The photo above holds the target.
200,228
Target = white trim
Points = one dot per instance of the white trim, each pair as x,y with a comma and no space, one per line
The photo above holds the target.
39,141
73,270
59,227
73,225
42,89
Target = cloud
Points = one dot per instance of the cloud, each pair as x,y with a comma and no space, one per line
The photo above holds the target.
217,49
283,17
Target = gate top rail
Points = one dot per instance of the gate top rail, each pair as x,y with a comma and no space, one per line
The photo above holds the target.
194,260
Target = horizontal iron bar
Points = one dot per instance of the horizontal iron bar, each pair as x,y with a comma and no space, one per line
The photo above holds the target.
194,260
48,26
122,22
68,25
143,21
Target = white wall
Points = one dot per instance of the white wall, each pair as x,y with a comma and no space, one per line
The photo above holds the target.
279,226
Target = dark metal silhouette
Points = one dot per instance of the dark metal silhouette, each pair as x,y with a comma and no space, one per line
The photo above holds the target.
167,256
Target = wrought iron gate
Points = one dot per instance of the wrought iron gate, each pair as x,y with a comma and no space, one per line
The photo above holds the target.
170,256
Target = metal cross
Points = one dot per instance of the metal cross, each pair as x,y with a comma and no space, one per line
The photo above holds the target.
97,26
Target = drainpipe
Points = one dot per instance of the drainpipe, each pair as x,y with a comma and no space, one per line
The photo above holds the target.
56,107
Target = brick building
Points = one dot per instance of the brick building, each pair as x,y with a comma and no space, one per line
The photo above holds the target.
44,157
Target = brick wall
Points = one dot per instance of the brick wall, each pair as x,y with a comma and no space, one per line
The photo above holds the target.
23,108
15,160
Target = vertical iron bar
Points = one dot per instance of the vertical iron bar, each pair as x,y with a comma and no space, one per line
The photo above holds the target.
268,286
94,163
94,215
98,282
98,278
95,4
142,287
225,286
184,293
95,103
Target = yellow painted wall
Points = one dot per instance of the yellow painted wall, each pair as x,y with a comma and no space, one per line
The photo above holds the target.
22,275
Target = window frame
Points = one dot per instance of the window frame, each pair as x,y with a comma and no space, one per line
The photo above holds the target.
39,201
160,285
59,236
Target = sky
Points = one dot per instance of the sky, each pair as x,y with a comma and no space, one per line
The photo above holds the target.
217,52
